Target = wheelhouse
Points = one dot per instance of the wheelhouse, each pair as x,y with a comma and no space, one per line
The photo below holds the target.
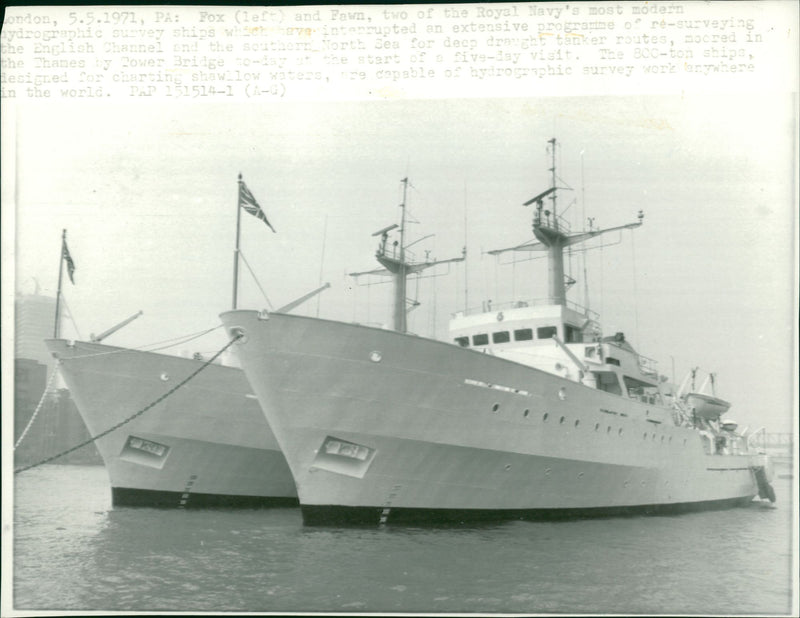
564,340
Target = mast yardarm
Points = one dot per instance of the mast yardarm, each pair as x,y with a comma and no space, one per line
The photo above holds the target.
393,260
553,234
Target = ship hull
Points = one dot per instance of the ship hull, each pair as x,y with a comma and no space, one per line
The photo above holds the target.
383,427
333,515
205,445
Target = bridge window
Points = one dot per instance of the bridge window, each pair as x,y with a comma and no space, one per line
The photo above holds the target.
523,334
482,339
607,381
643,391
462,341
501,337
572,334
612,361
546,332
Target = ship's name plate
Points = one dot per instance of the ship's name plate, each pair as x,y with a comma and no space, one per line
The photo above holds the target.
144,452
497,387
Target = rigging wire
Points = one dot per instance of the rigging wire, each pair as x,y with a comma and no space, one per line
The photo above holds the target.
486,288
513,275
322,258
69,312
246,263
466,278
583,225
635,294
433,309
354,288
496,279
602,282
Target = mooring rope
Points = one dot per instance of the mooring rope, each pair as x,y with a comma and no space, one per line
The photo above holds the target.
132,416
39,405
170,343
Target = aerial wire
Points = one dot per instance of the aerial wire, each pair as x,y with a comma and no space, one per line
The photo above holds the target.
466,278
635,293
322,258
583,225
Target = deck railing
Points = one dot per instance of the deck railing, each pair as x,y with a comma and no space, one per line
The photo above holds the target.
558,223
488,307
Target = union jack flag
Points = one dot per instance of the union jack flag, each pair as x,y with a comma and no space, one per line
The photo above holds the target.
68,259
249,203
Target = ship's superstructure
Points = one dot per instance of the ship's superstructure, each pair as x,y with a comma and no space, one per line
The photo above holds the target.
528,411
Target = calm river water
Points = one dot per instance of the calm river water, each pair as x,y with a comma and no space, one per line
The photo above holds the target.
72,551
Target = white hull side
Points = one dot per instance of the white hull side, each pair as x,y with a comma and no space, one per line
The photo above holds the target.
219,448
427,411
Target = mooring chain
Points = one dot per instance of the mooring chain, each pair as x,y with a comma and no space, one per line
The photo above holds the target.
39,405
136,414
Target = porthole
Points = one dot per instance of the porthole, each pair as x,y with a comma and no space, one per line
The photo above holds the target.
620,431
596,426
662,439
562,393
526,412
654,437
670,438
495,408
580,475
508,466
546,414
608,429
644,436
561,421
577,422
547,471
684,441
164,377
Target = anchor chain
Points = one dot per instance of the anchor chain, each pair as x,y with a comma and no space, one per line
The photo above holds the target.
132,416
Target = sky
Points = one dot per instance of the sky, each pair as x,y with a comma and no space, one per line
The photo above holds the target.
148,195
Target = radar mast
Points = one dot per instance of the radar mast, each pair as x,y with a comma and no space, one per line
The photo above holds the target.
553,234
393,260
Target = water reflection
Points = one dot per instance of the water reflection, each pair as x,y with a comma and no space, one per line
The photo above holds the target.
74,552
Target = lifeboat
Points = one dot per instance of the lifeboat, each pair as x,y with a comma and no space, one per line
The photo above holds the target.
707,407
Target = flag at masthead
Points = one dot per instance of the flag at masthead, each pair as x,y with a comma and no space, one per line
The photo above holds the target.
68,259
64,257
249,203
